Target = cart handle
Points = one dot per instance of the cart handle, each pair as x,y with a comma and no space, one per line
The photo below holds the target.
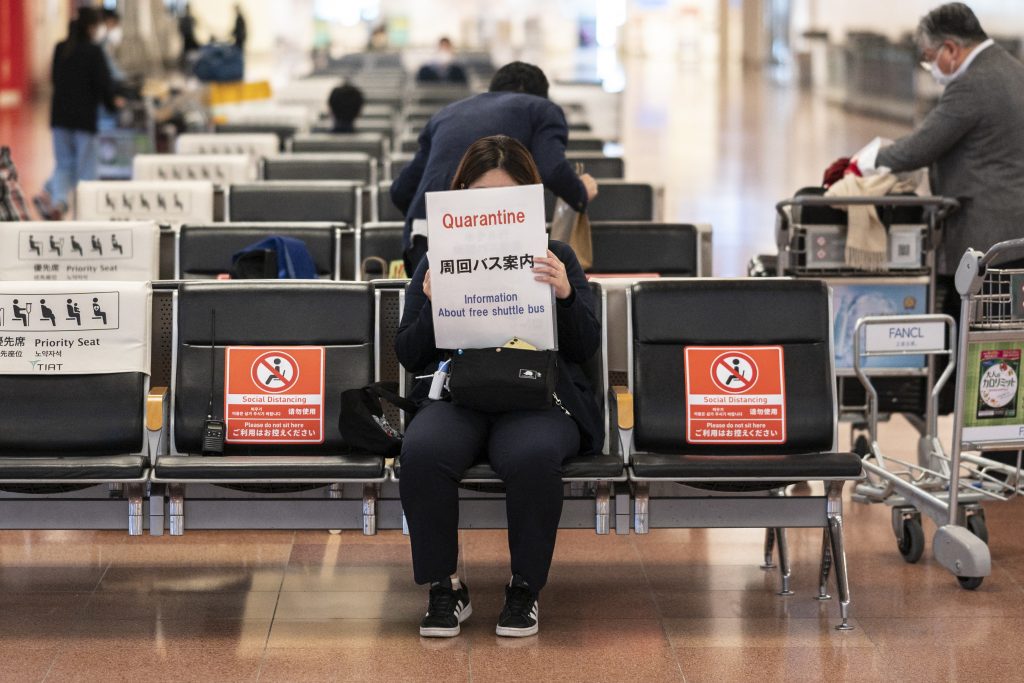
945,205
973,264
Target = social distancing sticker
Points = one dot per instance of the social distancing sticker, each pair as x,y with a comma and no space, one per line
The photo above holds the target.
274,395
735,395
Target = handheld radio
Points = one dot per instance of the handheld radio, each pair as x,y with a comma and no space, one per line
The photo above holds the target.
213,429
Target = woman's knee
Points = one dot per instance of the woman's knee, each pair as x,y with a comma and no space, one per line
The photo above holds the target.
534,462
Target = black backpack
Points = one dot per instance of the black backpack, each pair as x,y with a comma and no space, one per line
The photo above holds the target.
362,422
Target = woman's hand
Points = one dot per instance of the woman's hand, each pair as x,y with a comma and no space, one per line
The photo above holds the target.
552,271
426,286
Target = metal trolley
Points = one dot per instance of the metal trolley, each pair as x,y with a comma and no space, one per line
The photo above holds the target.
810,234
986,356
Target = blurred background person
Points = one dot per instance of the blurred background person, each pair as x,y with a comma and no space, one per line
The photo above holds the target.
240,32
346,103
442,68
81,83
187,31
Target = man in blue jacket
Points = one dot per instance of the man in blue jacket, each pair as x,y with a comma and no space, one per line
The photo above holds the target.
518,106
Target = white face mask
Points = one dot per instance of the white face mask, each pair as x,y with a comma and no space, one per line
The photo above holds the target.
115,36
100,35
940,77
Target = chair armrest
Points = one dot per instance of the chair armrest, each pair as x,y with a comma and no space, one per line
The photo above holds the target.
156,408
623,401
622,420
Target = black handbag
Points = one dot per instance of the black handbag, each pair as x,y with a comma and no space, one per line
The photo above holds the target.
502,379
362,422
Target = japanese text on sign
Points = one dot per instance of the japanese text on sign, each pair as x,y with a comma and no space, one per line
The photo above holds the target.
735,395
274,395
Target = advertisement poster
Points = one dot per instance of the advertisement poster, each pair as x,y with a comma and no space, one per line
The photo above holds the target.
854,300
993,410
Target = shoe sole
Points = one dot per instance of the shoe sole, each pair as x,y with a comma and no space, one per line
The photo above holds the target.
436,632
509,632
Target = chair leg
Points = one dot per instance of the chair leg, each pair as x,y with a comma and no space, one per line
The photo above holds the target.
835,529
135,505
176,509
603,504
622,509
769,549
826,565
784,568
641,503
369,509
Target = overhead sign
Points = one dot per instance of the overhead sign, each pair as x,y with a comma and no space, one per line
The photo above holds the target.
87,250
482,246
174,202
882,337
735,395
274,395
994,402
62,328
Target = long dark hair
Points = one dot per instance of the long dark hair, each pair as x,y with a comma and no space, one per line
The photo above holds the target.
78,30
496,151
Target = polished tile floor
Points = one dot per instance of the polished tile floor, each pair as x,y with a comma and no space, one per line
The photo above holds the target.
670,606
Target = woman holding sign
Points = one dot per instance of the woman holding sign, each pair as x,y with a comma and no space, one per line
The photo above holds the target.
525,448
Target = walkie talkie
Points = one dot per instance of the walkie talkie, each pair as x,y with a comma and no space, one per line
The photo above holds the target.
213,429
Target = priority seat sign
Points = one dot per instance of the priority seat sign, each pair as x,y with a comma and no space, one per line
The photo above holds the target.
735,395
274,395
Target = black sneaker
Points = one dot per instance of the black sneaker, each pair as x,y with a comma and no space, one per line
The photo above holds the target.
520,615
446,609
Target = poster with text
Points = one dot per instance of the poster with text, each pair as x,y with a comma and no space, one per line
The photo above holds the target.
482,246
993,408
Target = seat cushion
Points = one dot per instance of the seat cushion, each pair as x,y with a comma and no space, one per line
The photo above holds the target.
106,467
793,467
578,467
251,468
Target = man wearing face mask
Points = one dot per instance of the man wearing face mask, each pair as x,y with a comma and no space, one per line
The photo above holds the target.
972,141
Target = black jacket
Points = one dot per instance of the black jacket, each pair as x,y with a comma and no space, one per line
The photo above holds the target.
579,338
536,122
81,82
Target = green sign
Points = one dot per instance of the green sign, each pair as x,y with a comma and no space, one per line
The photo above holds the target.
993,402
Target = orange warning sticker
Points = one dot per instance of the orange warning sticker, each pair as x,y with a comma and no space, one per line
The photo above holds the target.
274,395
735,395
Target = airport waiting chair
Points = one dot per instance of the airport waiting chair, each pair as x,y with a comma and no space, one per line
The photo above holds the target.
357,166
277,478
618,200
254,144
290,201
374,144
283,133
63,432
597,495
376,243
396,163
386,211
598,165
638,247
735,484
206,251
409,143
584,142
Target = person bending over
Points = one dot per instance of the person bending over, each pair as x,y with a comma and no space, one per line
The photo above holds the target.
526,448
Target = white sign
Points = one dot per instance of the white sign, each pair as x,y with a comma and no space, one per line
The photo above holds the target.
222,169
253,144
173,202
61,328
482,246
88,250
901,336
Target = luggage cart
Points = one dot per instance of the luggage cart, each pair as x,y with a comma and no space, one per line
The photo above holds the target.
936,485
810,234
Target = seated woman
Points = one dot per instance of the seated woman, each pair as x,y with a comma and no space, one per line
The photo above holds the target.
526,448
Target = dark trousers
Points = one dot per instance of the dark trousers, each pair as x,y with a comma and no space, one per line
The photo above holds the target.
526,450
